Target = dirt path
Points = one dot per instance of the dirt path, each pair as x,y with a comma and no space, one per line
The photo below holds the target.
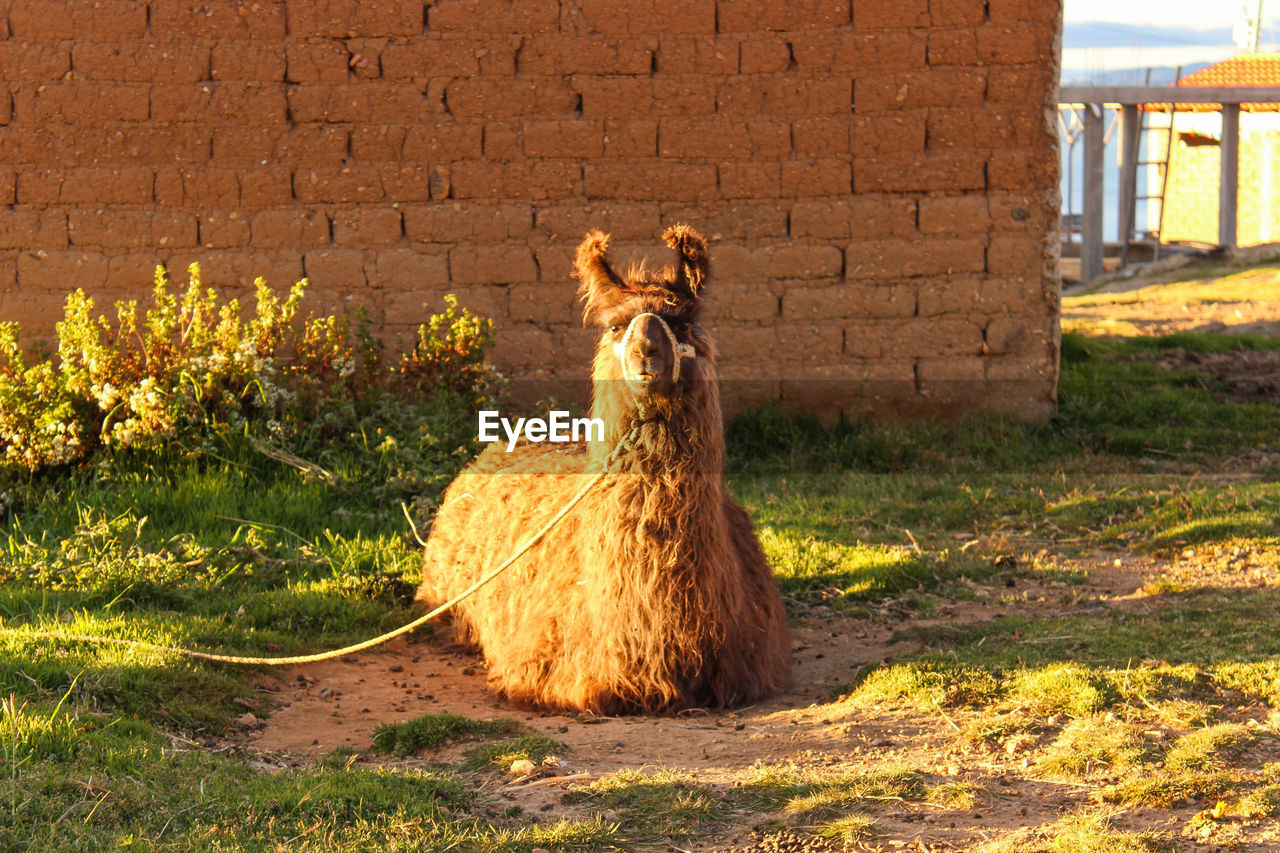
337,704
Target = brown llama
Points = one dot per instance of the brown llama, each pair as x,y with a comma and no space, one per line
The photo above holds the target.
653,594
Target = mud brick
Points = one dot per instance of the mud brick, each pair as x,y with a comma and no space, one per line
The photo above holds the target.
311,62
1021,169
197,186
265,186
858,53
741,302
734,261
494,16
621,220
131,229
335,268
38,20
302,145
764,53
1008,12
952,295
60,271
804,262
289,228
502,141
430,57
367,226
544,304
33,229
935,87
818,342
953,47
232,102
555,261
634,138
351,18
580,138
223,230
1006,333
628,97
146,62
1020,84
860,217
810,178
935,336
743,342
260,62
722,137
898,258
39,312
1004,45
444,140
124,185
139,143
965,214
784,95
956,13
346,103
534,179
76,103
988,126
492,264
355,183
1022,212
487,97
646,17
948,169
649,180
749,220
390,102
520,346
6,107
104,20
750,180
822,137
697,54
847,301
1018,255
371,143
569,54
8,185
38,62
400,269
888,133
459,222
38,185
366,57
756,15
885,14
227,19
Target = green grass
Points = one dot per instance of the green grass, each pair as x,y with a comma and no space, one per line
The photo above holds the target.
224,548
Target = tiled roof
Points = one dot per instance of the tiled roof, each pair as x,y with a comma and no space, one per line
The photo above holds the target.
1247,69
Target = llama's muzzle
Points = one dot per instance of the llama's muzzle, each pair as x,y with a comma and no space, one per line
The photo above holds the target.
678,350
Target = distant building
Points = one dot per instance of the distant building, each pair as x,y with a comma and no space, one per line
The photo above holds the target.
1191,193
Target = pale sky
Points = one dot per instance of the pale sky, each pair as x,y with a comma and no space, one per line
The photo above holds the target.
1174,13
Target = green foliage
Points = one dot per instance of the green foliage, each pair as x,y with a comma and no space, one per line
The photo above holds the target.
499,755
191,364
431,731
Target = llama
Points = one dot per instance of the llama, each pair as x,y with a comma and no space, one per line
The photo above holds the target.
652,595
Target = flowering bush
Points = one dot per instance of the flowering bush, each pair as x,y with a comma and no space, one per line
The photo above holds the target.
191,363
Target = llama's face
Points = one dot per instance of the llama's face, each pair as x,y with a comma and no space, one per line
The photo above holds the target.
650,338
652,341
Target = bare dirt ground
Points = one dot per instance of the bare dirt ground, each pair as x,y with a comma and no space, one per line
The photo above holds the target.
337,704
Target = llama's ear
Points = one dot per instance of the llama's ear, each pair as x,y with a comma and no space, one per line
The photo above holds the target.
600,286
692,263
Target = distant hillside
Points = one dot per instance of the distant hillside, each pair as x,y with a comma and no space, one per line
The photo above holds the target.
1102,34
1161,76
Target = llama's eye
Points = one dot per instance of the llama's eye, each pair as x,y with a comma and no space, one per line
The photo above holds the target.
615,328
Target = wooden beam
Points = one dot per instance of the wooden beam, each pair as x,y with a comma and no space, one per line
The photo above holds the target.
1168,94
1229,175
1091,219
1130,136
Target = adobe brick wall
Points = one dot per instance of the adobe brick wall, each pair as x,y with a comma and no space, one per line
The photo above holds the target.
879,177
1191,196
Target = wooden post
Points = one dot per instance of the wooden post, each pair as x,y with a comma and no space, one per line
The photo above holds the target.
1229,176
1130,136
1091,219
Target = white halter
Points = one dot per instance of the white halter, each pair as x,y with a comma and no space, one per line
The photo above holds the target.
678,349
